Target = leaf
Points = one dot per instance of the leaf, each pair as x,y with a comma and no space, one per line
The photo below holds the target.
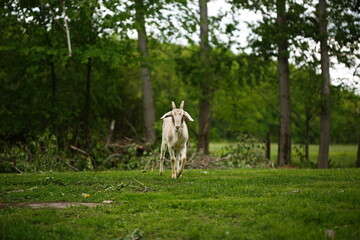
85,195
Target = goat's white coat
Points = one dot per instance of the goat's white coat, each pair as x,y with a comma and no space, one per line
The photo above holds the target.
174,138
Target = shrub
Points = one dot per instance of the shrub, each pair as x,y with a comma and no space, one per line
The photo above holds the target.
248,152
39,154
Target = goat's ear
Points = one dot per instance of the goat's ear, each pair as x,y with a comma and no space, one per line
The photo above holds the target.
182,105
188,116
168,114
173,105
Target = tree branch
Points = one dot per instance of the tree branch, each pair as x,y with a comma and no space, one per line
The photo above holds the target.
80,150
66,28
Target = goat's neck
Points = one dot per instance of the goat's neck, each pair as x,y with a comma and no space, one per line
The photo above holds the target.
179,132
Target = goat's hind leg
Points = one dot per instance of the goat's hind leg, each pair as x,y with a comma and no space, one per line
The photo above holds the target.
162,155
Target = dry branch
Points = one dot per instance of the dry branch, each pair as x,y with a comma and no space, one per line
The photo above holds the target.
140,183
86,154
80,150
111,132
112,156
72,167
143,188
18,170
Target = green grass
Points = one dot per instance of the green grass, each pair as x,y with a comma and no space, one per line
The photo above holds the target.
211,204
341,156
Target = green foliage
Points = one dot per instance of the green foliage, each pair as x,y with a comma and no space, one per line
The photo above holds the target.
40,154
248,152
136,235
306,91
247,101
345,115
46,106
43,154
300,157
344,21
342,156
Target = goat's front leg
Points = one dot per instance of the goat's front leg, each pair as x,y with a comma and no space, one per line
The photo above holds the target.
172,159
183,161
177,161
162,155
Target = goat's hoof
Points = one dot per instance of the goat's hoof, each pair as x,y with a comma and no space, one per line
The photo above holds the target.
160,173
179,174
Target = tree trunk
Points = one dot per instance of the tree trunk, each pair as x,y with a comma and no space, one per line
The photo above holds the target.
59,139
53,83
307,134
268,146
358,153
204,104
148,102
284,156
87,108
204,125
325,75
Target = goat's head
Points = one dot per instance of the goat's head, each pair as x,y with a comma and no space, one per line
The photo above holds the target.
178,115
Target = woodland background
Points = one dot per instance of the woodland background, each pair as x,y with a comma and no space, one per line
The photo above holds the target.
69,68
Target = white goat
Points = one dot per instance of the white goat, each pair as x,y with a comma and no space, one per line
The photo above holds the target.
174,138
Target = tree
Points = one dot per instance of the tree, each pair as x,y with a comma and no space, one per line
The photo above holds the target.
87,12
284,156
148,101
358,152
204,103
339,39
325,75
358,135
270,39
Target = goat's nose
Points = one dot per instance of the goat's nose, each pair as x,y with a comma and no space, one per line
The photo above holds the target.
177,128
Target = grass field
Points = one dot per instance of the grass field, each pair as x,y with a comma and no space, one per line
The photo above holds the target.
341,156
211,204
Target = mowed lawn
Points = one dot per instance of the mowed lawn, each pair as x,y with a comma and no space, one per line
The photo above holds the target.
203,204
341,156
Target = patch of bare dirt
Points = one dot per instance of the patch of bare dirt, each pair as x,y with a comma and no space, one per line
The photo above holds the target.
55,205
287,166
